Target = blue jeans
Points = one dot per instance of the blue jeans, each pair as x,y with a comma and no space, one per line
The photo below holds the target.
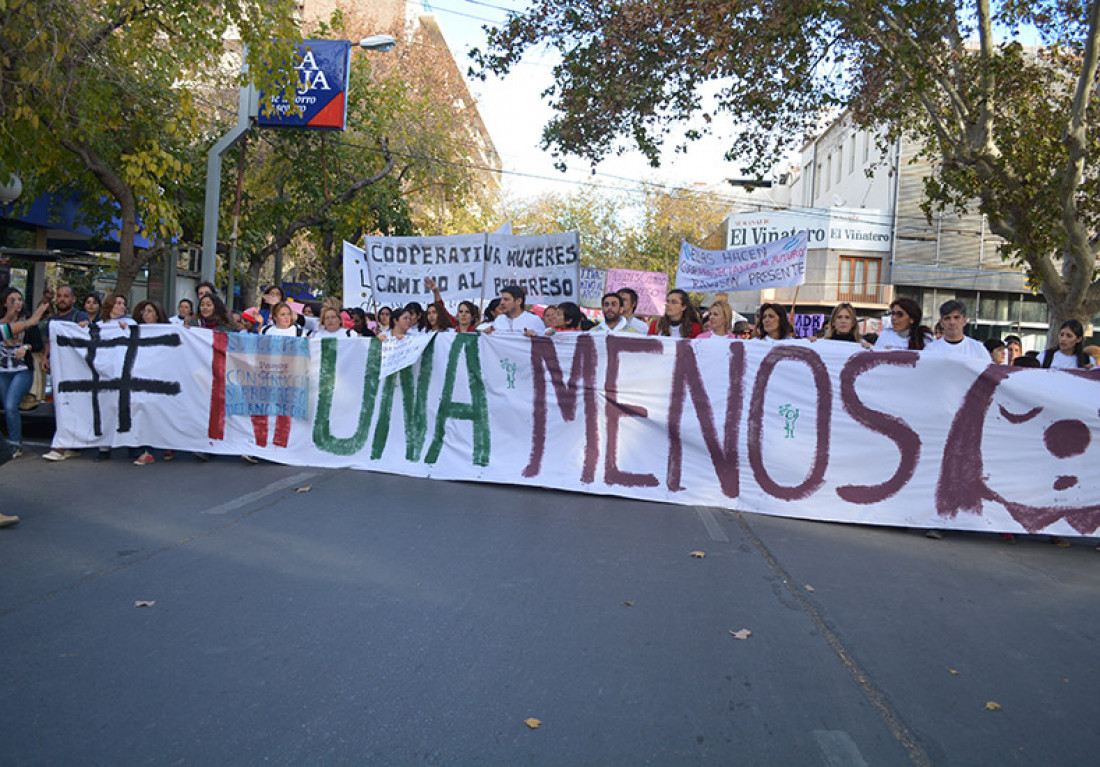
13,386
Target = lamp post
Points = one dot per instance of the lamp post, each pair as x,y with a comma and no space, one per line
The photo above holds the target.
248,109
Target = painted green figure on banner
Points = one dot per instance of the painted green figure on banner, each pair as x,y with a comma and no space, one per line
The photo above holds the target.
510,371
790,413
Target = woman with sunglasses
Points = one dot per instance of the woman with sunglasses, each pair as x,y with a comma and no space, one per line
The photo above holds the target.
905,331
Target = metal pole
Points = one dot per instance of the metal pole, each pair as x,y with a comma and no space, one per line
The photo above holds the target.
236,229
247,111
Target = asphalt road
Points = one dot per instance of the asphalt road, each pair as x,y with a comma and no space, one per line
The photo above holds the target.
377,619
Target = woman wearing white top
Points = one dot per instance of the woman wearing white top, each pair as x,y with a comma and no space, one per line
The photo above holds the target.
282,319
332,326
400,323
1068,355
905,332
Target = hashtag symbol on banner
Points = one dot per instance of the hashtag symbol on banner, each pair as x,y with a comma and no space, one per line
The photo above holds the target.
125,384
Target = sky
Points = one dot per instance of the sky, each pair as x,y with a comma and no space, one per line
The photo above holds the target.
515,114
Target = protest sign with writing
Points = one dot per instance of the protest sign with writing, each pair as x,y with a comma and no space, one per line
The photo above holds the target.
592,282
807,325
546,266
651,287
397,266
357,290
777,264
823,430
398,354
266,375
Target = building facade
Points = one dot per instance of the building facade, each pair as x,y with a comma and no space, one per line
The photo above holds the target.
874,242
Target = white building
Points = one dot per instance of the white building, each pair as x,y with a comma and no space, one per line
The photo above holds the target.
870,241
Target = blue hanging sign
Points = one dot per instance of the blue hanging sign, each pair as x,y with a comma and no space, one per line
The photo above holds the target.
324,69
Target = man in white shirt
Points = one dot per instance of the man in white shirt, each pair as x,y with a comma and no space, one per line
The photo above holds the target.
511,318
613,320
955,343
629,298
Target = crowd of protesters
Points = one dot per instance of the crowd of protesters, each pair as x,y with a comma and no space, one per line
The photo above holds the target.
24,340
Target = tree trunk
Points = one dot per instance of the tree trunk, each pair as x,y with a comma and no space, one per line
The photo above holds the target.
129,262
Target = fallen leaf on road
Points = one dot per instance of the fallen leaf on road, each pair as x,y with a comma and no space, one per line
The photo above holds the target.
953,672
808,587
144,603
698,554
742,634
628,604
992,706
532,723
303,489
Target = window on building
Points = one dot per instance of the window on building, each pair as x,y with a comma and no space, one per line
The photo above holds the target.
859,279
817,182
852,154
828,171
839,163
866,148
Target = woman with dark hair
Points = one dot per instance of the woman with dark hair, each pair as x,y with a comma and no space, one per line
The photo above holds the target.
1069,354
436,316
681,318
93,305
359,323
385,320
16,372
1014,347
466,319
905,331
402,322
490,314
772,323
149,313
574,318
212,315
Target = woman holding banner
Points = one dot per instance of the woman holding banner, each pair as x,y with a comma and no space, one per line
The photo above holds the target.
466,321
843,324
681,318
772,323
905,331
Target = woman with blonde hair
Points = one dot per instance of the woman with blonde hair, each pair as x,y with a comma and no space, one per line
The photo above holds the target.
719,321
843,324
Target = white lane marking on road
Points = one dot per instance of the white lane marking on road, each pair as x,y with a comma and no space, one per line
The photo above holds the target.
710,522
248,498
838,748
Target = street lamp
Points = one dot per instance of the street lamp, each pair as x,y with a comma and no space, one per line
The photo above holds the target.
248,110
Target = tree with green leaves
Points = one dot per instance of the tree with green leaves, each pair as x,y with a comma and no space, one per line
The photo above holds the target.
102,99
1007,127
641,229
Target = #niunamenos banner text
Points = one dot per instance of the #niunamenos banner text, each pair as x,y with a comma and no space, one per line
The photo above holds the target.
821,430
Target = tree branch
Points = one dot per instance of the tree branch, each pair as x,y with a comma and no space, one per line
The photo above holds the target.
321,214
1079,254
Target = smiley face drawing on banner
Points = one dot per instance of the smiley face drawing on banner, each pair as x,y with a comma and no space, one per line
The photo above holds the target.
990,433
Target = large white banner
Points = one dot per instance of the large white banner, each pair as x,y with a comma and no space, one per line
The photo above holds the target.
397,266
819,430
546,266
777,264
